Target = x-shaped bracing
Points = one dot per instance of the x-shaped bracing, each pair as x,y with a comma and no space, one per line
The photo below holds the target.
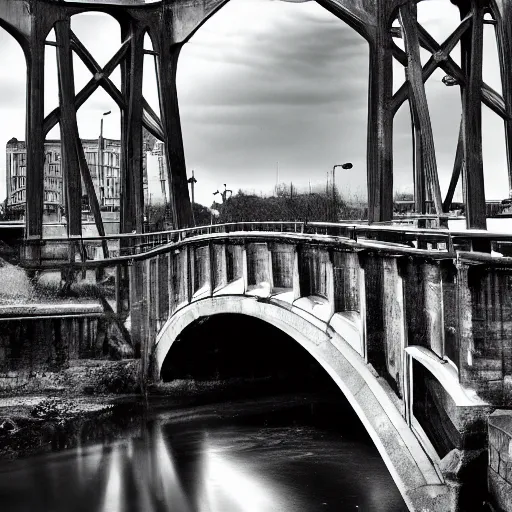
441,58
150,120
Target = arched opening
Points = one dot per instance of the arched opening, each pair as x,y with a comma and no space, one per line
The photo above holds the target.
494,136
99,118
13,80
216,349
157,192
282,89
439,18
227,359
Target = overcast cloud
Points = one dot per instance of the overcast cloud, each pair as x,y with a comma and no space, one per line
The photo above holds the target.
267,84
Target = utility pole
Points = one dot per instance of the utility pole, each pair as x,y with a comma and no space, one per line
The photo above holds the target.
277,176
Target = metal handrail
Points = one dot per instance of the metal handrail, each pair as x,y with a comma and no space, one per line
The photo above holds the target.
144,242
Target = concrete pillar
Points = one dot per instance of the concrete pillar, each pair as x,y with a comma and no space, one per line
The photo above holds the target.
450,308
219,266
423,301
363,311
346,270
327,256
187,272
153,299
211,276
282,259
200,269
296,273
174,280
394,335
258,265
465,325
434,307
163,289
136,278
169,282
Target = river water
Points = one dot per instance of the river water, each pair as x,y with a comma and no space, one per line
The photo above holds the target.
285,453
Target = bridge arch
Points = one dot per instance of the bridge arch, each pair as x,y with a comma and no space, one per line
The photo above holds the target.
413,472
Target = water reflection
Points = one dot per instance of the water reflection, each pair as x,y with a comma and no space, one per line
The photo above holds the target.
229,467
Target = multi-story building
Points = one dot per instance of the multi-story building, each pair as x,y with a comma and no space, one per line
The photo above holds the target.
16,176
103,159
104,166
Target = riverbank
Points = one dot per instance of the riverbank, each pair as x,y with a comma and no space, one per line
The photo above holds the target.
98,400
32,425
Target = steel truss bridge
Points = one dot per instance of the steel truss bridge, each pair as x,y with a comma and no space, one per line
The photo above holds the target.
170,24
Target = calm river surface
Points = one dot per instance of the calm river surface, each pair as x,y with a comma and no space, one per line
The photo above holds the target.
287,454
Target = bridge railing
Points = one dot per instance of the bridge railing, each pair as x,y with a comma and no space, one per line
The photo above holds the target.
128,244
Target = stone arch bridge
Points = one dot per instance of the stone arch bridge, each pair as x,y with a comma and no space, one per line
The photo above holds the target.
417,339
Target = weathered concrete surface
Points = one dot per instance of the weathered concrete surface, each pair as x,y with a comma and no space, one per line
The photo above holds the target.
38,342
500,459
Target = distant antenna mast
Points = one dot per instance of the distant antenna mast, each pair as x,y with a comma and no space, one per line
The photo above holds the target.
277,177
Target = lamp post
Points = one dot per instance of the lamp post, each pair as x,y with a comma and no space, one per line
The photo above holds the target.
224,193
101,143
347,165
192,182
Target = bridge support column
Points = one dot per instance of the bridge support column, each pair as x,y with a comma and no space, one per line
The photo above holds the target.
380,123
69,134
471,58
132,195
425,156
34,199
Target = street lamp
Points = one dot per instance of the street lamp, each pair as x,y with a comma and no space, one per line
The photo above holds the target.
101,178
224,194
192,182
347,165
101,123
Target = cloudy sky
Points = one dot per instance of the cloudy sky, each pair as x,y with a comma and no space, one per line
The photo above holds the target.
267,85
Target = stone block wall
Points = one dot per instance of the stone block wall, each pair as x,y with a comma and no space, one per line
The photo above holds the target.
499,472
